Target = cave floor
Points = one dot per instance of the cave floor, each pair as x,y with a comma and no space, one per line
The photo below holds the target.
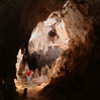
36,85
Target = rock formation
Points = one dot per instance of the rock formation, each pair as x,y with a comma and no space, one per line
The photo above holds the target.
78,75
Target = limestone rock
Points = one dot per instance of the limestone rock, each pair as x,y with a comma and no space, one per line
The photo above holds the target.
44,70
36,73
82,23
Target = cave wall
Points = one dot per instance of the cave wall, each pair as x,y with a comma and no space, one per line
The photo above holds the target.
79,65
17,20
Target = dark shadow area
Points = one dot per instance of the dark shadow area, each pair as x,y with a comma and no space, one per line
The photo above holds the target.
38,60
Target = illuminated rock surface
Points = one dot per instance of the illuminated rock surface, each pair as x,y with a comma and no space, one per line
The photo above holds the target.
75,71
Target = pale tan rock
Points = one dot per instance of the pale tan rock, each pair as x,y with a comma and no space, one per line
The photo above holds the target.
26,67
44,70
36,73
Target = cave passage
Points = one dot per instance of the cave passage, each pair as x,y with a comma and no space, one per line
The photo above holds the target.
58,40
48,41
44,49
59,51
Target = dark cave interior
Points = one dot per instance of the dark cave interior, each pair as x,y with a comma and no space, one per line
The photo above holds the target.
61,34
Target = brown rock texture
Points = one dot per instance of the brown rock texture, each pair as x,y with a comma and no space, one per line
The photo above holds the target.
79,74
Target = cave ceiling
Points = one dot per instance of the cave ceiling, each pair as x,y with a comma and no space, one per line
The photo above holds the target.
73,24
